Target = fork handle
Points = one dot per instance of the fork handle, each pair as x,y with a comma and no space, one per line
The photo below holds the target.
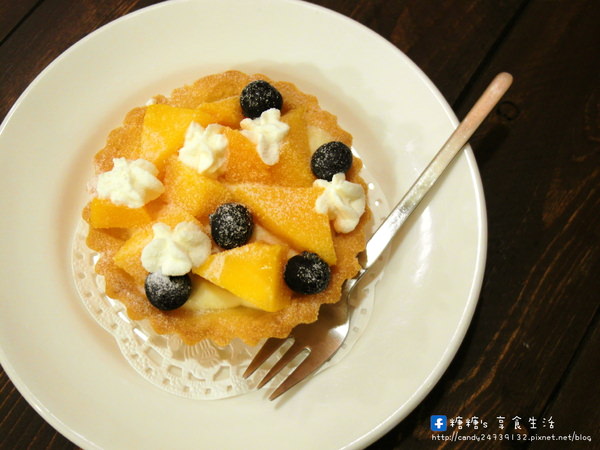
394,221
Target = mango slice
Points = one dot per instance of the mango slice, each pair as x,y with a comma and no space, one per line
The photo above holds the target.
227,111
290,213
128,257
253,272
163,131
243,162
293,168
105,214
195,193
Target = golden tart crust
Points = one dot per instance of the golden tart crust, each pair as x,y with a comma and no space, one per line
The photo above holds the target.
221,326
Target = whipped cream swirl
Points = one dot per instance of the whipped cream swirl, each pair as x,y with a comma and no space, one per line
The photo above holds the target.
130,183
204,149
267,133
176,251
343,201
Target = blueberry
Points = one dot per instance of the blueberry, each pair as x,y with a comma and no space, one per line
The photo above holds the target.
331,158
257,97
231,225
307,273
167,292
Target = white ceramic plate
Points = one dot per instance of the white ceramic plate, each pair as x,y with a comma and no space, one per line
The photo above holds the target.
71,370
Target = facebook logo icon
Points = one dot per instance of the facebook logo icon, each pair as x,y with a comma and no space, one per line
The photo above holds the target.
438,423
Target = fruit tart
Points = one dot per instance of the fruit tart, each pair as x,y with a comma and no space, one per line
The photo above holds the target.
231,209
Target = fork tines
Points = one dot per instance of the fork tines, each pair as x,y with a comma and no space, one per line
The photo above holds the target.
321,339
270,347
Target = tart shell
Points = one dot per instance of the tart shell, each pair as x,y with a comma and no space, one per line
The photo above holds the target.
221,326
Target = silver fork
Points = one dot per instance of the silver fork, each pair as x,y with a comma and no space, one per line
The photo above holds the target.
324,337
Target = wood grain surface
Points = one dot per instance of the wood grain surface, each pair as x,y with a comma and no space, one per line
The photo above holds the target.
533,347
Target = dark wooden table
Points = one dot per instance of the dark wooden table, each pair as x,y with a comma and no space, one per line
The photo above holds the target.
533,348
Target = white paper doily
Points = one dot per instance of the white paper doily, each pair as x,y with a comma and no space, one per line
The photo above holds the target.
204,370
